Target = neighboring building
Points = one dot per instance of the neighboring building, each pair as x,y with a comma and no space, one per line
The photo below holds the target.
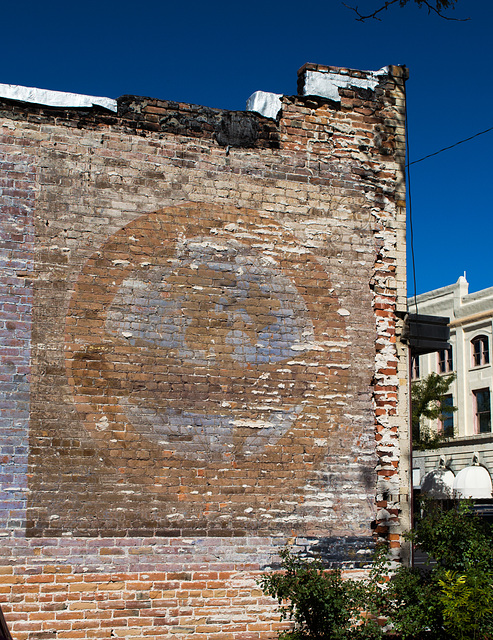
200,323
470,437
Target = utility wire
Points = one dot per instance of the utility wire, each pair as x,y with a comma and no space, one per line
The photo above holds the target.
430,155
411,234
408,164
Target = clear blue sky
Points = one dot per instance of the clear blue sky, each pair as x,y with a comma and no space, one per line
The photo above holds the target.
217,54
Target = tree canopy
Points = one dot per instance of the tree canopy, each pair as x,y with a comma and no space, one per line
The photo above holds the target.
428,401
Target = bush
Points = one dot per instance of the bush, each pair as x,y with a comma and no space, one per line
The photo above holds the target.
467,603
450,599
411,606
455,538
453,597
322,605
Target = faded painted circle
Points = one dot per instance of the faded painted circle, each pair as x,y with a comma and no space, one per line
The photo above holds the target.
197,333
216,303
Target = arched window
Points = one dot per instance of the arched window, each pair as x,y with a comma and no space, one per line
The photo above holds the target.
480,351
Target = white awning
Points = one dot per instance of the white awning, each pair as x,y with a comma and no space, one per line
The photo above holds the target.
439,483
473,482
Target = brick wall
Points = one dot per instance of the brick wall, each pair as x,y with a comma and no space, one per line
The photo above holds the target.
17,188
207,301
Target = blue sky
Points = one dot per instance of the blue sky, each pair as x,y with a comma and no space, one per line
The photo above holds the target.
217,54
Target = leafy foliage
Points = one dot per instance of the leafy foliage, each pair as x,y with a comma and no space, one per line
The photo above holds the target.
456,538
452,599
322,605
433,6
410,604
467,602
427,400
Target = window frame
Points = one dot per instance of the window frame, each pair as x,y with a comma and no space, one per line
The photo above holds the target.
481,415
443,427
480,351
445,360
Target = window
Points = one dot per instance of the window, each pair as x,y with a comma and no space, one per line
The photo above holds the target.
445,361
447,420
480,351
482,411
414,367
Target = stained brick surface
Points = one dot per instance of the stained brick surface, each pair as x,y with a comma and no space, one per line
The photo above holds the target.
200,356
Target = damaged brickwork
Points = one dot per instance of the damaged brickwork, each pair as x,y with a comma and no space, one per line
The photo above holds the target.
200,355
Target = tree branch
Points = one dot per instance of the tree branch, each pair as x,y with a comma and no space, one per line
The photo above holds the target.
436,8
362,18
438,11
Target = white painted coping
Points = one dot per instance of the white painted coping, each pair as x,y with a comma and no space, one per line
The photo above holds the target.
327,84
265,103
54,98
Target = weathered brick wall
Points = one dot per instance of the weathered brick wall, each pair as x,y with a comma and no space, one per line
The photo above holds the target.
208,302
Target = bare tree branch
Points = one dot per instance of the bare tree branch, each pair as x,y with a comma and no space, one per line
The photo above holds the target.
435,6
362,18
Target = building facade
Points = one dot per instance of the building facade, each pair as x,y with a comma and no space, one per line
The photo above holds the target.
200,351
470,438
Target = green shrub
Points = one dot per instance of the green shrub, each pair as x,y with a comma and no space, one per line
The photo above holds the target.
410,604
467,602
457,539
452,599
322,605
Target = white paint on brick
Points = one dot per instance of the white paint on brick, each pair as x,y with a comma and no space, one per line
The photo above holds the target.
54,98
266,103
102,424
307,346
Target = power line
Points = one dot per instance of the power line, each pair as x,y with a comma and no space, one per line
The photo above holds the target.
430,155
411,232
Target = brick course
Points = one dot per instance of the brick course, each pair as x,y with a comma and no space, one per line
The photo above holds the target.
200,356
